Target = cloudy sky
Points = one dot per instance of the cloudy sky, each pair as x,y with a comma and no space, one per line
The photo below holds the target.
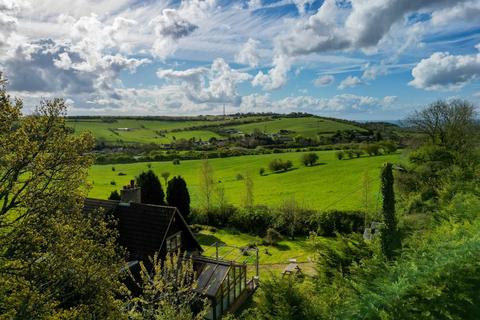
356,59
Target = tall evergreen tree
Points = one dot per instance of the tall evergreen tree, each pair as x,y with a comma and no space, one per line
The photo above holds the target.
152,192
389,238
178,196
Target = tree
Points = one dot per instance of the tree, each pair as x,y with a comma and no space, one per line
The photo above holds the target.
390,237
248,196
55,262
165,175
178,195
151,188
339,154
262,171
207,184
451,124
309,159
272,237
114,195
278,164
289,215
167,291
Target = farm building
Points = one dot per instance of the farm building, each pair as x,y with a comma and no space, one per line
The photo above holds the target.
146,229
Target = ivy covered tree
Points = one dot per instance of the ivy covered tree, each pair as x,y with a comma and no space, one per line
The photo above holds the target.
152,192
390,238
178,195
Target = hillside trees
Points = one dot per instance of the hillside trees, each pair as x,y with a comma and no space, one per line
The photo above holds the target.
55,262
151,188
280,165
178,195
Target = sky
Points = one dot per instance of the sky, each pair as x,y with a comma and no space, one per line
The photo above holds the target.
353,59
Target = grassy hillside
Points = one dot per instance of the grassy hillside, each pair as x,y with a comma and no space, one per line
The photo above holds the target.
307,127
146,130
141,131
332,184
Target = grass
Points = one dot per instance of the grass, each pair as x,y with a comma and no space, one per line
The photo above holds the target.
272,259
142,131
333,184
307,127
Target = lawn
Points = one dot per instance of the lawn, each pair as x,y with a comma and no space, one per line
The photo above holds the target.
307,127
333,184
272,259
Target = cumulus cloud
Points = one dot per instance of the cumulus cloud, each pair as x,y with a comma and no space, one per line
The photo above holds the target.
276,76
9,9
335,27
350,82
174,24
324,81
444,71
248,54
344,103
468,11
218,84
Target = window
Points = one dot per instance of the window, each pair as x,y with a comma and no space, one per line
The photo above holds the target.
174,242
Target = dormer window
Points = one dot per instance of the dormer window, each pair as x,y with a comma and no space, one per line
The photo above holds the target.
174,242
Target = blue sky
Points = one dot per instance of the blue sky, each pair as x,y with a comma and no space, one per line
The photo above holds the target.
357,59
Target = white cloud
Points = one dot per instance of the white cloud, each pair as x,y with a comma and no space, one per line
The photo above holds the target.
323,81
361,27
276,76
215,85
248,54
371,72
468,11
444,71
344,103
350,82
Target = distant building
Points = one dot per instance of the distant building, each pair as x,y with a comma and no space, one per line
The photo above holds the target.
146,229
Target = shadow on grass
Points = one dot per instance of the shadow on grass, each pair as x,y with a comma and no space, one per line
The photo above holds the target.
282,247
318,164
208,239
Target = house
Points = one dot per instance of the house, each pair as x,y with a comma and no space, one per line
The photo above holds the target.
146,229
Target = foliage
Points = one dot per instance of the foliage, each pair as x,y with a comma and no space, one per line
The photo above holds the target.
340,155
114,195
178,195
329,223
309,159
151,188
167,291
262,171
56,262
390,238
207,184
272,237
280,165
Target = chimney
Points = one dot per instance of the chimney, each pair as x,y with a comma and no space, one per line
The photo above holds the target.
131,193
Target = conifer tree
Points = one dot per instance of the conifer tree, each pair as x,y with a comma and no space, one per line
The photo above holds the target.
390,239
178,195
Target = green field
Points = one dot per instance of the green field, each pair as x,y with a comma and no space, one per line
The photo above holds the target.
306,127
145,131
333,184
141,131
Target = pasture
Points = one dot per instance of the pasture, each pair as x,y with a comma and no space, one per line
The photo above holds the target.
307,127
331,184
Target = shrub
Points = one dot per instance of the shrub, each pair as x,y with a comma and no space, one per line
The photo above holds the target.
114,195
309,159
113,168
340,155
176,161
239,176
330,222
122,174
372,149
272,237
113,183
262,171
